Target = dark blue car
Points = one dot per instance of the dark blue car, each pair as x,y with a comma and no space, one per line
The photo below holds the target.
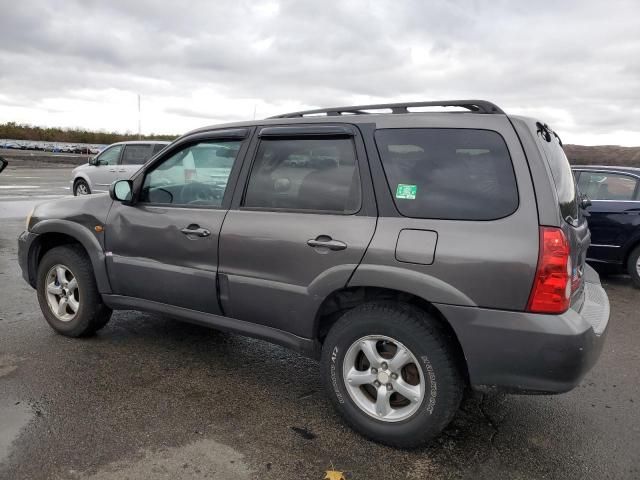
614,216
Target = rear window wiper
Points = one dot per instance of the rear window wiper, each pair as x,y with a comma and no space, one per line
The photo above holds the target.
546,132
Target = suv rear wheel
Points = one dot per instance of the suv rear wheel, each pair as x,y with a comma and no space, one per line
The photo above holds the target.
68,294
390,372
633,266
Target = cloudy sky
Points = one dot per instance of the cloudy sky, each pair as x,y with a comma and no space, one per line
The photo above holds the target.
575,64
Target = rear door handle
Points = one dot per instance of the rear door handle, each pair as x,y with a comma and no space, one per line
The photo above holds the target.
324,241
196,230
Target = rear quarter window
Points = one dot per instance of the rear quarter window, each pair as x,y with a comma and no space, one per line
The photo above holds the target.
562,177
446,173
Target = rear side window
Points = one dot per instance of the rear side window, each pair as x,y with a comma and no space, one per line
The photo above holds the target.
447,173
157,148
607,186
562,177
305,174
137,154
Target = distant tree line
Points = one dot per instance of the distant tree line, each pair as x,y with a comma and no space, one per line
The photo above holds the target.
16,131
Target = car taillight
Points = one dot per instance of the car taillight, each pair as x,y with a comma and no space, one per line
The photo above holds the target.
551,292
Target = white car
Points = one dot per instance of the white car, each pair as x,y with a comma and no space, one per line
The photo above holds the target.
116,162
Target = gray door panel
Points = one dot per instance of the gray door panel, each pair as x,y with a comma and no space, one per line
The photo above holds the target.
273,277
102,176
148,255
125,172
475,263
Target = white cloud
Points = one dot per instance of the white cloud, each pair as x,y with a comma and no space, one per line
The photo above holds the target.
79,63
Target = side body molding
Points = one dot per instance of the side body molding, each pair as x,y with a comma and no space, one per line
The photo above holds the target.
82,234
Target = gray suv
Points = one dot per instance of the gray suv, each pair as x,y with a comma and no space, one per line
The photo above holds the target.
414,254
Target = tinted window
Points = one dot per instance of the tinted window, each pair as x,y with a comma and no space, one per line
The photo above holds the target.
305,175
458,174
607,186
195,175
110,156
157,148
562,178
137,154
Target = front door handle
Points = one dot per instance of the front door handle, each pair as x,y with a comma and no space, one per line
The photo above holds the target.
196,230
324,241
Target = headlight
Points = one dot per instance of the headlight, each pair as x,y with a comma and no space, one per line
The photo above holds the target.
29,218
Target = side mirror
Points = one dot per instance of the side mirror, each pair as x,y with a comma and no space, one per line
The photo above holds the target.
93,160
122,191
3,164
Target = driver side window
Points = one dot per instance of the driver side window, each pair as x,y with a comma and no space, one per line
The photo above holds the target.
110,156
194,176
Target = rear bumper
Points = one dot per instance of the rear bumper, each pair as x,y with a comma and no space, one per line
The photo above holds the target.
532,353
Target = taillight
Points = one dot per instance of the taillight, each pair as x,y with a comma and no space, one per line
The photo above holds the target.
551,292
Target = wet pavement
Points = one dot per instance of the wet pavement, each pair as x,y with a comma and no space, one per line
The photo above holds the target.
150,397
22,188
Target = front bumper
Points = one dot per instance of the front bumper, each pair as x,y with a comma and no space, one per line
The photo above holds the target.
25,241
532,353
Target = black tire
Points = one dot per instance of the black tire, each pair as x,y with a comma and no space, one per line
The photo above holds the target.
79,184
423,336
633,266
92,314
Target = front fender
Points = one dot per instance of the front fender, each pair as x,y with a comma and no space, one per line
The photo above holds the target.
91,241
82,177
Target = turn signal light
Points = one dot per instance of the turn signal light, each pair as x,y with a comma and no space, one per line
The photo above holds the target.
551,291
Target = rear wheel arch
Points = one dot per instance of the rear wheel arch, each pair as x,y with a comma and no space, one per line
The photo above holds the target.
340,301
631,261
630,247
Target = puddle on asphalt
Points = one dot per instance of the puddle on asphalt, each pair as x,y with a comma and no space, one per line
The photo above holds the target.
203,458
14,415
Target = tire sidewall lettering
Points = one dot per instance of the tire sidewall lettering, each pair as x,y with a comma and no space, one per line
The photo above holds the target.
430,374
334,374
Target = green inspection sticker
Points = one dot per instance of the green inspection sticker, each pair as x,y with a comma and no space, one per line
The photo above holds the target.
407,192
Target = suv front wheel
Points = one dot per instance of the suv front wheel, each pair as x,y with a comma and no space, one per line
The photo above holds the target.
81,187
68,294
391,373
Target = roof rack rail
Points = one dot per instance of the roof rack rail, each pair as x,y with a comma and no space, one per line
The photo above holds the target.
474,106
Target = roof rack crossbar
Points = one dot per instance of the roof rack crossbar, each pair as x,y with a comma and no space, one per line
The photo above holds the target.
475,106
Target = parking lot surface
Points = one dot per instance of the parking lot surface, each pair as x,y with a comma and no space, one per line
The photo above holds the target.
149,397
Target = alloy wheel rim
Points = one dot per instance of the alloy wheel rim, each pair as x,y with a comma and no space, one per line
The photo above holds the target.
82,189
63,294
383,378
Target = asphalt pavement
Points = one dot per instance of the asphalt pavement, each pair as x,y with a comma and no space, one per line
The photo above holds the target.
150,397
